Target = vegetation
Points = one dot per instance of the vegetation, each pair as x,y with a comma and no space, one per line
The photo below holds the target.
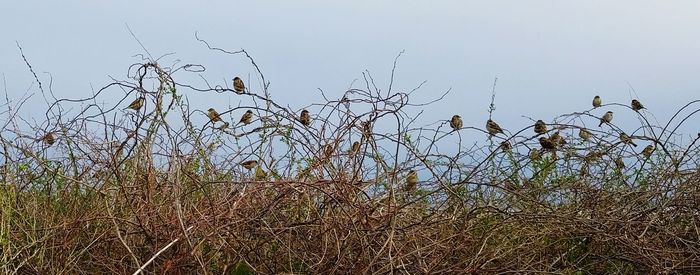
160,188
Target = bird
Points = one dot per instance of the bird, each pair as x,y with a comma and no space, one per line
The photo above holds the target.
626,139
238,85
547,143
584,134
260,174
249,164
540,127
48,138
355,148
619,163
137,104
535,154
597,102
411,180
213,115
506,146
636,105
607,118
493,128
247,117
456,122
305,118
648,150
557,139
328,149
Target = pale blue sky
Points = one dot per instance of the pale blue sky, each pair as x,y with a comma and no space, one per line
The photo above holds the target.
551,57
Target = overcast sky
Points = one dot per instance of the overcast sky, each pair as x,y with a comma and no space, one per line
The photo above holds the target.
551,57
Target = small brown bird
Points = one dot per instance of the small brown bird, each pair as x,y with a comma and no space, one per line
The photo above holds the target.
493,128
328,149
355,148
547,143
137,104
249,164
238,85
535,154
411,180
213,115
260,174
48,139
305,118
619,163
506,146
557,139
607,118
597,102
648,151
456,122
247,117
540,127
636,105
626,139
584,134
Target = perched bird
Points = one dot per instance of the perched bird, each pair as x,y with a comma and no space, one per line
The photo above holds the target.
619,163
238,85
411,181
540,127
597,102
305,118
626,139
557,139
648,150
607,118
249,164
247,117
584,134
506,146
493,128
260,174
456,122
636,105
137,104
213,115
328,149
547,143
355,148
535,154
48,138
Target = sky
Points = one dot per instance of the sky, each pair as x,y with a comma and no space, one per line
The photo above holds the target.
550,57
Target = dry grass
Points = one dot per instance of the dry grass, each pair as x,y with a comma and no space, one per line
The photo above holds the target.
161,189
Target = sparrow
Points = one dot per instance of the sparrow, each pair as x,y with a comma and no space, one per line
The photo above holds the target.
535,154
260,173
411,181
584,134
48,139
626,139
636,105
456,122
619,163
506,146
238,85
493,128
547,143
249,164
137,104
305,118
540,127
557,139
607,118
648,151
247,117
213,115
355,148
328,149
597,102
